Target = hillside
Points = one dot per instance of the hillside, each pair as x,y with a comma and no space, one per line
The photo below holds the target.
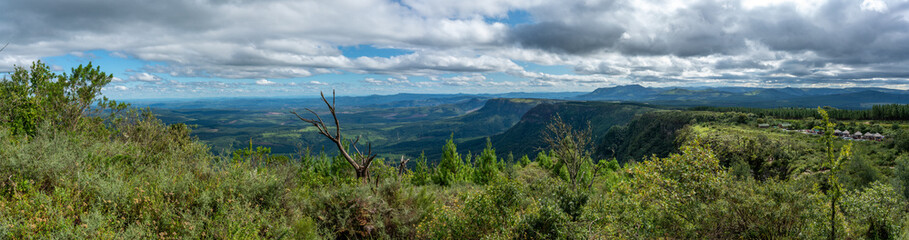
652,133
496,116
525,136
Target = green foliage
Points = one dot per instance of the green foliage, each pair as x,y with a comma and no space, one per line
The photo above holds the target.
877,112
524,161
757,153
858,173
37,95
356,211
133,176
548,222
259,155
665,196
422,175
485,169
901,176
834,163
875,212
451,168
544,160
740,170
688,195
652,133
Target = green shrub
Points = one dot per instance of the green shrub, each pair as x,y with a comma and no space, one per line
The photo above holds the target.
547,222
876,212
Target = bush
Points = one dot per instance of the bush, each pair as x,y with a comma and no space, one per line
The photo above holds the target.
36,95
876,212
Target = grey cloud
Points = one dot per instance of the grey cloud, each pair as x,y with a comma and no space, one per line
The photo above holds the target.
602,68
741,64
562,37
655,41
842,32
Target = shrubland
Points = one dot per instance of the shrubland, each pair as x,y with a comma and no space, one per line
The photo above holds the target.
115,172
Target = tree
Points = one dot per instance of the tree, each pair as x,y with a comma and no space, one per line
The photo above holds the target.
37,95
525,161
359,161
835,164
450,165
571,147
421,174
486,169
544,160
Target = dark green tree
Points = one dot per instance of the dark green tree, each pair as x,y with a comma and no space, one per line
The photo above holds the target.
421,174
525,161
486,169
450,165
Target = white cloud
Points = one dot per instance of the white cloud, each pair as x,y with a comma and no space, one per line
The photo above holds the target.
874,5
602,42
318,83
121,88
144,77
264,82
119,55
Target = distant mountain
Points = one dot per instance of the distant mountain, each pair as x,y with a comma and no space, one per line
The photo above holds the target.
620,93
853,100
371,101
750,97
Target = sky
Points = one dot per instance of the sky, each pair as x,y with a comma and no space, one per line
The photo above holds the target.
265,48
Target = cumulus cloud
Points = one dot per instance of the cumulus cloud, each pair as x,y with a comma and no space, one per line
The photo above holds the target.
604,42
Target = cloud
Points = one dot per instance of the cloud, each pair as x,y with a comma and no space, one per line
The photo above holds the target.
144,77
561,37
264,82
119,55
602,42
874,5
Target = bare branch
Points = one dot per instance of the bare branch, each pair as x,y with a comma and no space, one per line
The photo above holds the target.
359,161
402,165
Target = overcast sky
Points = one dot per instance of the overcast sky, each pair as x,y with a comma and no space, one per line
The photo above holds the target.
207,48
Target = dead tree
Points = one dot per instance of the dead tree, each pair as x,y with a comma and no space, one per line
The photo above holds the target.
359,161
402,165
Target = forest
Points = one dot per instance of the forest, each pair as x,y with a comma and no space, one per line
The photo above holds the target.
76,165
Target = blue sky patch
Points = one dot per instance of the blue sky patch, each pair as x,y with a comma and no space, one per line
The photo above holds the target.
371,51
515,17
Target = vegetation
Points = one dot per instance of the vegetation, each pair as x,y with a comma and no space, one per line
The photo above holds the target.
701,175
360,162
877,112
